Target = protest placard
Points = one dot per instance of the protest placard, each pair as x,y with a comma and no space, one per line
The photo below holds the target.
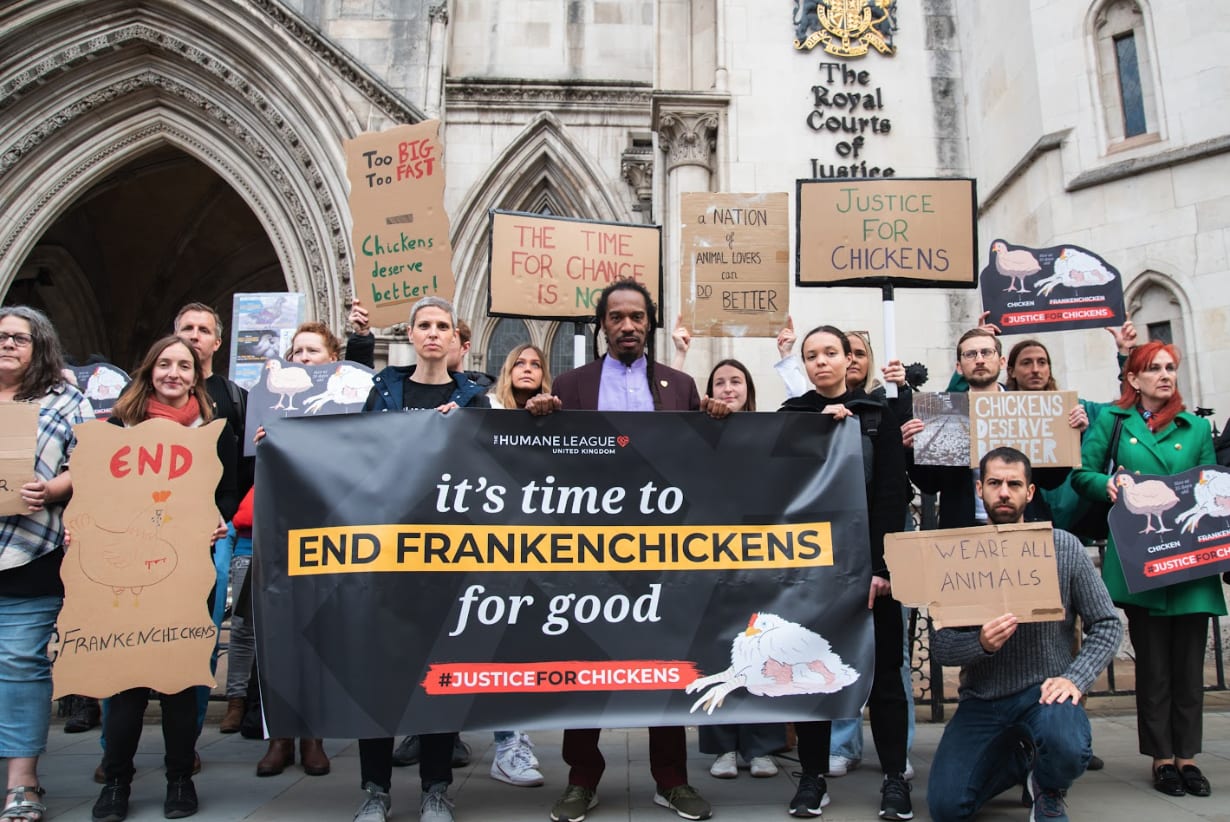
555,267
895,230
734,264
18,441
1060,288
1172,529
329,388
945,438
969,576
262,326
102,383
1033,422
585,569
138,572
402,250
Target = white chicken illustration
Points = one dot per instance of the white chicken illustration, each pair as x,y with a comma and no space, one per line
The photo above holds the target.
1075,269
775,657
104,384
1212,494
347,385
1015,265
286,382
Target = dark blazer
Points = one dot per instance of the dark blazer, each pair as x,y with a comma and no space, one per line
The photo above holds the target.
673,390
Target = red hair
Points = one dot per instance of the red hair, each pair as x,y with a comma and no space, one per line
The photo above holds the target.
1138,361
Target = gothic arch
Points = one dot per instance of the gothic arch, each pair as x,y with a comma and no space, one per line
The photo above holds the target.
1104,21
542,169
232,85
1154,298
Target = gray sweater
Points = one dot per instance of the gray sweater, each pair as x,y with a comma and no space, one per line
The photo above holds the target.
1040,650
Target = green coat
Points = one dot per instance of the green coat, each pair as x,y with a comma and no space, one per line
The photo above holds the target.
1185,443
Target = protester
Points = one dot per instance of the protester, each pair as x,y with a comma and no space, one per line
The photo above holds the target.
426,385
169,384
731,382
1019,717
826,356
627,378
1147,431
525,374
31,549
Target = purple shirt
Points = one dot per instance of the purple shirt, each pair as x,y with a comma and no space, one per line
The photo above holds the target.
624,388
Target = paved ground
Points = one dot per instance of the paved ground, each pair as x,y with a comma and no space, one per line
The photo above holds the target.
229,790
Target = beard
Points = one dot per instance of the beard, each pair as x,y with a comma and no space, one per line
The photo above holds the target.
983,380
997,516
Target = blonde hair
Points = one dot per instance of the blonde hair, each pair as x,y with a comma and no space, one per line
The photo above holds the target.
870,381
503,386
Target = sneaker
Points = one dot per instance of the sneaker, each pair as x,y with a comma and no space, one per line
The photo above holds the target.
377,805
112,804
407,753
909,771
1096,763
574,804
685,801
763,767
895,802
84,715
1047,802
810,797
725,766
461,752
181,798
841,765
515,763
436,806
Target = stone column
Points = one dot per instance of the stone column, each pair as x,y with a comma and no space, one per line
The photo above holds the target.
437,59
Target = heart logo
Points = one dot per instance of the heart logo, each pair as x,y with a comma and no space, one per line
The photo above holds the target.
161,496
622,441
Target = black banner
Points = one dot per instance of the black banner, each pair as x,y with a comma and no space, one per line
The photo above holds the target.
421,572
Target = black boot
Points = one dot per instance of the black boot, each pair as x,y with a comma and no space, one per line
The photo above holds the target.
85,715
181,798
112,804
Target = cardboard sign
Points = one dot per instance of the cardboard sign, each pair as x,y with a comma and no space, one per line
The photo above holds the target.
138,571
264,326
1172,529
102,384
18,442
294,390
944,439
734,264
969,576
1064,287
555,267
400,236
1033,422
899,231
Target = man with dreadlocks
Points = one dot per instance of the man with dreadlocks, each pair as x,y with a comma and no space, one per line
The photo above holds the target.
626,379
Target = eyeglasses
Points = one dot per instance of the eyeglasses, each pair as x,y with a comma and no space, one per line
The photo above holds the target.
981,353
20,340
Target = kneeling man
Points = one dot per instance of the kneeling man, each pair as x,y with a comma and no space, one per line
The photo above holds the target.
1019,718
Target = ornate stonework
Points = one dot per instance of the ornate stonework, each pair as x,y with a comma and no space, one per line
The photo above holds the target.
688,138
470,93
636,167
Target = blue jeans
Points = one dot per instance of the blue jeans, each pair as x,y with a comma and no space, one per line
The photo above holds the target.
847,736
990,745
26,624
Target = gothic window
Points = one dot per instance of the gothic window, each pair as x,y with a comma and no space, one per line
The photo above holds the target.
1125,72
561,355
507,335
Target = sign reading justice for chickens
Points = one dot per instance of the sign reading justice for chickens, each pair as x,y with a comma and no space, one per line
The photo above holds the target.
138,572
1061,288
1172,529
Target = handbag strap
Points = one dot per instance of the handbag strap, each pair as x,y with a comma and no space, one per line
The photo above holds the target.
1114,445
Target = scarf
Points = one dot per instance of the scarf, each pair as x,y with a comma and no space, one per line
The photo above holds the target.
187,415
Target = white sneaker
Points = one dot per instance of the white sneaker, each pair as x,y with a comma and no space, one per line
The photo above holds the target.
840,765
725,766
516,764
763,767
909,770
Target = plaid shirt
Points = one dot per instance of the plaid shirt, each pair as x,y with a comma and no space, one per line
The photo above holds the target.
25,538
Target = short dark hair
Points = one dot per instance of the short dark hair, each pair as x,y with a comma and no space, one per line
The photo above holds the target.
828,329
208,309
980,332
463,331
1009,455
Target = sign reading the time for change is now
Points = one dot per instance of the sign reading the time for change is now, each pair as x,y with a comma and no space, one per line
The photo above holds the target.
555,267
909,232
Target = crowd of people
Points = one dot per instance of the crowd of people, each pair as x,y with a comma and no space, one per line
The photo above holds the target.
1020,720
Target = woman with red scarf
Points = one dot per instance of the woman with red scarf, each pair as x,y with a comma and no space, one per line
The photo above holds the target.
169,384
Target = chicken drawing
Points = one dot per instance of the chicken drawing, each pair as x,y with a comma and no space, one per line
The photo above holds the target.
104,384
1015,265
347,385
1150,498
286,382
775,657
1212,495
130,558
1075,269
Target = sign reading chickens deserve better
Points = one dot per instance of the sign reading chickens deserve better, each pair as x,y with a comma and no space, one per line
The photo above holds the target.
138,572
289,389
916,232
1061,288
1172,529
585,569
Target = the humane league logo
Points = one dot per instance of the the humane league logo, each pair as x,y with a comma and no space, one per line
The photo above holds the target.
564,443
